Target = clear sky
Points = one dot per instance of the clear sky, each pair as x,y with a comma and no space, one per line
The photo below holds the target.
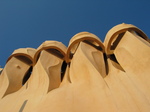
28,23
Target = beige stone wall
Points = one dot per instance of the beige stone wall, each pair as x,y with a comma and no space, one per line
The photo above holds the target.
86,76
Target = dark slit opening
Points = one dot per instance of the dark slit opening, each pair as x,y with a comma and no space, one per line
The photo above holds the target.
27,75
115,43
24,59
93,45
137,33
90,42
55,52
71,55
63,69
73,50
1,71
106,63
115,62
38,56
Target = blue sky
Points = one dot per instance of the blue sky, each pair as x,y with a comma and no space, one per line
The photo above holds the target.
28,23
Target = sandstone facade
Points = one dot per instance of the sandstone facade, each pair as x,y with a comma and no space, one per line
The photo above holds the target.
86,76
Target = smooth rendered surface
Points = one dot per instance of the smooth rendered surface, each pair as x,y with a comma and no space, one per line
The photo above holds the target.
86,76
